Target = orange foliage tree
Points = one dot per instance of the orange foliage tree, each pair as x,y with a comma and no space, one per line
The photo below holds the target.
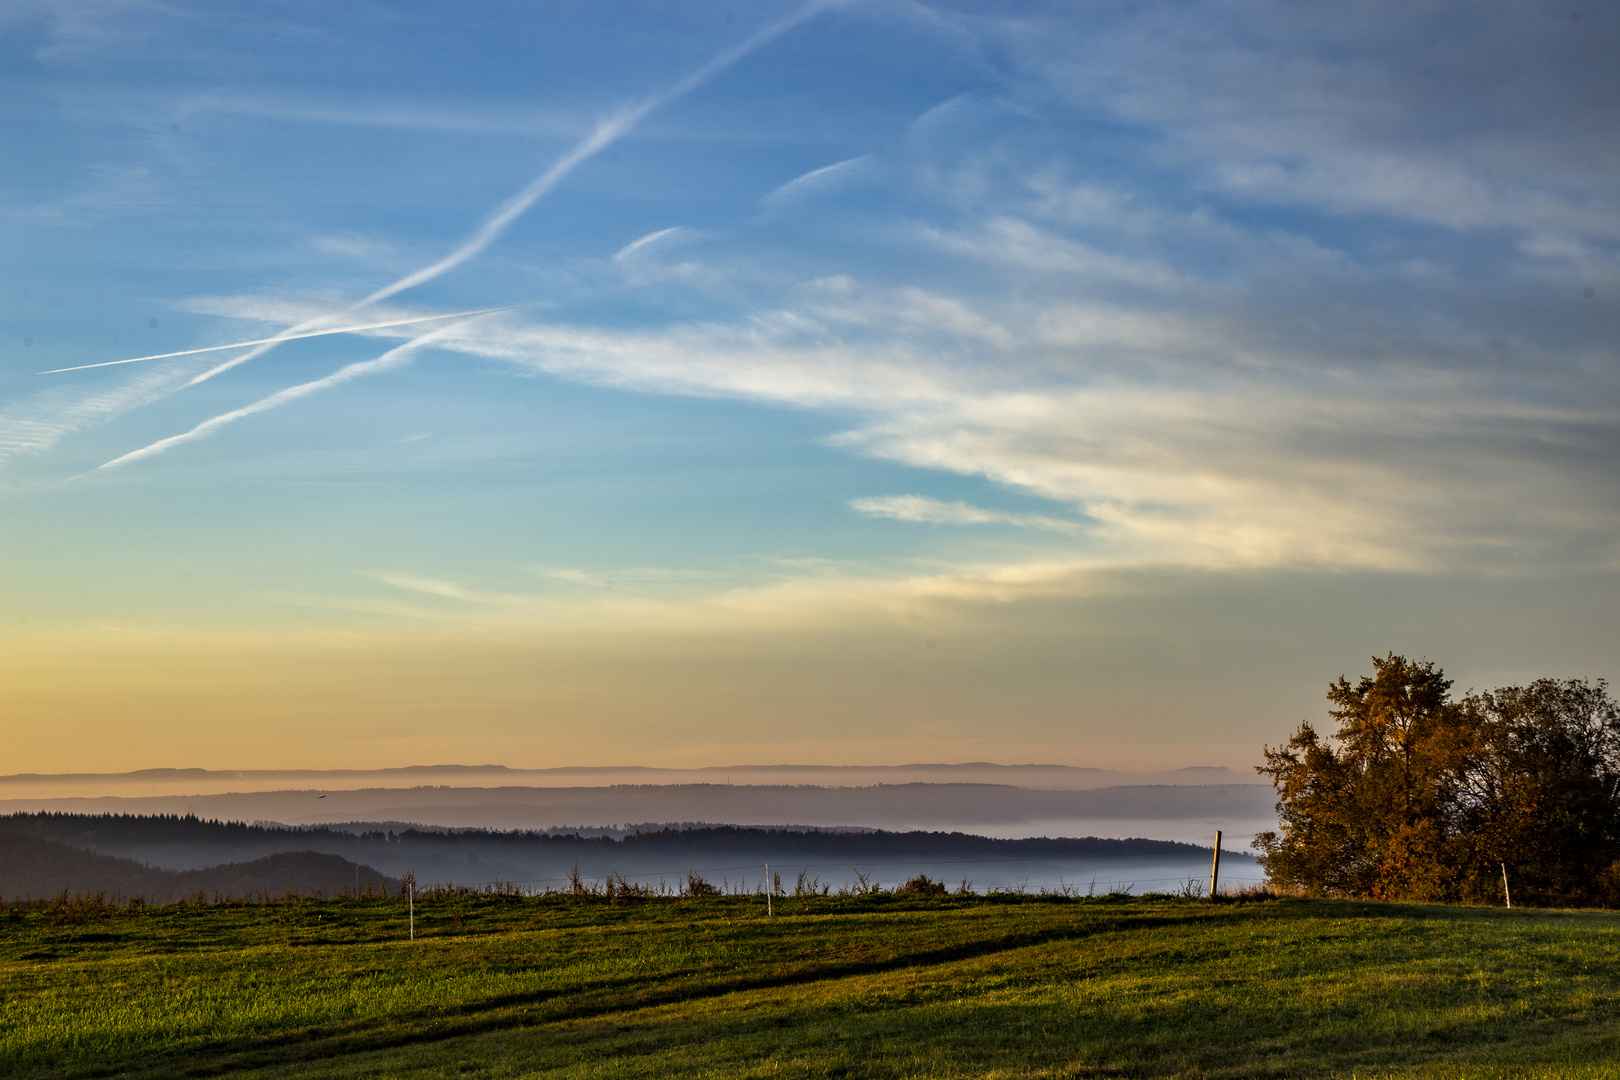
1417,796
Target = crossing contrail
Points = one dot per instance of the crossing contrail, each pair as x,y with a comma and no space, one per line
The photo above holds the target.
606,133
280,338
497,223
395,357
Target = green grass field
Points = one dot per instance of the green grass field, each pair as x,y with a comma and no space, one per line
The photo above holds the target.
836,986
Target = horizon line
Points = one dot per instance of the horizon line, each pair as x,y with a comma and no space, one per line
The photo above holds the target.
247,773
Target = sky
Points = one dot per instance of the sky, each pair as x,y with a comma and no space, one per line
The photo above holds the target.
854,383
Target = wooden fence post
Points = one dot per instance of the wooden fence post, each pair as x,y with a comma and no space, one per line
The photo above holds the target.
1215,867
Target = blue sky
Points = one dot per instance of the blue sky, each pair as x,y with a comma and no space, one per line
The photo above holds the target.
1162,361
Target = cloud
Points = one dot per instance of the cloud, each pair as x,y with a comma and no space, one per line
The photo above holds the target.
820,181
1197,437
1164,324
804,594
425,585
108,190
651,238
36,423
838,300
1447,112
943,113
920,508
787,360
1013,242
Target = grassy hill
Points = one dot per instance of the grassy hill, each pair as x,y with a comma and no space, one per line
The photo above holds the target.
886,986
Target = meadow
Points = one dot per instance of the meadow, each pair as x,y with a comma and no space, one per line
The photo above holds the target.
878,985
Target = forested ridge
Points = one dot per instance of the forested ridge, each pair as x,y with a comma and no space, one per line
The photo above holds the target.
87,829
124,833
130,854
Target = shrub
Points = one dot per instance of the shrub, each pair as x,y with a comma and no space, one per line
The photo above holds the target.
921,885
697,885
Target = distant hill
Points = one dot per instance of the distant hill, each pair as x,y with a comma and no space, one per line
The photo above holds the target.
1167,811
191,782
34,867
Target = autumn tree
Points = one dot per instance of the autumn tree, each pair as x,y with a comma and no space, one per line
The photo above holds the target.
1416,796
1542,794
1370,816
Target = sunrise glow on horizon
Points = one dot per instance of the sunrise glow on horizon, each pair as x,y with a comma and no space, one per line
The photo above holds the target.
846,383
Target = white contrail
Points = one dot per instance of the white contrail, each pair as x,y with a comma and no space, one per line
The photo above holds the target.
280,338
395,357
605,134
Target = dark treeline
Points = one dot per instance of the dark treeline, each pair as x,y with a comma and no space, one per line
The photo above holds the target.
820,844
131,832
540,860
1422,796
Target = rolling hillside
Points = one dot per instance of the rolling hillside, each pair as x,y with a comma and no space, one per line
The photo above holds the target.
874,986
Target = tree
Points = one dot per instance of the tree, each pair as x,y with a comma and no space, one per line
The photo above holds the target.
1543,796
1420,797
1320,849
1370,817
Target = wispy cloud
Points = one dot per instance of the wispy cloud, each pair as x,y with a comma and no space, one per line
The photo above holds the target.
1358,118
806,594
1199,438
39,421
429,586
1014,242
818,181
922,509
651,238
